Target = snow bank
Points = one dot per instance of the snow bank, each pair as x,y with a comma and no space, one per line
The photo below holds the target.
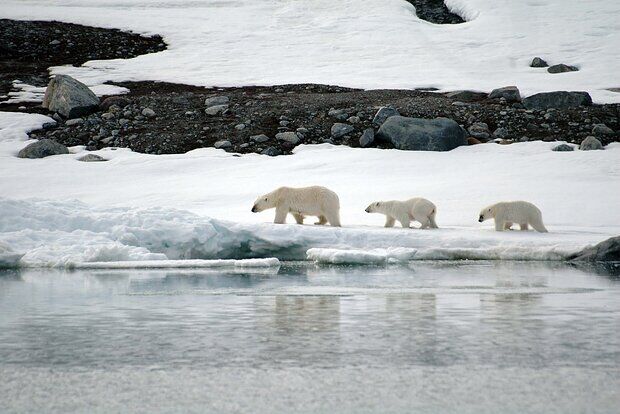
73,234
180,264
357,43
357,256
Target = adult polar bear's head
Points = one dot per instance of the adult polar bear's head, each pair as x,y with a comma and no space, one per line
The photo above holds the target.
486,214
264,202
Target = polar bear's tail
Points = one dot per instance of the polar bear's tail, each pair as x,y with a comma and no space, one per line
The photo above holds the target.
431,219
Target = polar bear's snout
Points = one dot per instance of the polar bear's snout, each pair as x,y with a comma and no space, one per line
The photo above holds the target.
480,219
254,210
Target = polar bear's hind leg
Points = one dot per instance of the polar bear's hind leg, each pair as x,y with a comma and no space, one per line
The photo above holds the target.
322,221
524,227
333,218
538,225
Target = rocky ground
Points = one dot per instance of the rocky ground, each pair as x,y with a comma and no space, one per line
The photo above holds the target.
435,11
28,48
163,118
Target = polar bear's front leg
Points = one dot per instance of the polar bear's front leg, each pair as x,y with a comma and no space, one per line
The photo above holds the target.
281,213
499,224
507,225
389,221
404,221
299,218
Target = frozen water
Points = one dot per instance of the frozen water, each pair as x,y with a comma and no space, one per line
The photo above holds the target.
476,338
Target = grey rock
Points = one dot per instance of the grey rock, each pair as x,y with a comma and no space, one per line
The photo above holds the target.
509,93
74,121
353,119
217,100
605,251
590,143
240,127
107,140
291,137
69,97
107,116
538,63
480,130
259,138
563,147
339,130
602,129
216,110
467,96
123,121
383,114
43,148
561,68
271,151
501,133
341,114
148,112
416,134
222,144
55,42
558,99
367,137
302,130
91,158
119,101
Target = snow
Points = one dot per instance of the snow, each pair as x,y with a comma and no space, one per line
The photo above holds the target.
356,43
359,256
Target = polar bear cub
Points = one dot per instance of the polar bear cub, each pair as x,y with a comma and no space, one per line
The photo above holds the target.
508,212
300,202
417,209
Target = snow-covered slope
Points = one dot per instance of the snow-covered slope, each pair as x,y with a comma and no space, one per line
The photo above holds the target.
358,43
197,205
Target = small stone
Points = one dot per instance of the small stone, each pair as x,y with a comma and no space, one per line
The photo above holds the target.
501,133
107,116
562,148
259,138
302,130
590,143
561,68
216,110
473,141
353,119
43,148
480,130
55,42
383,114
107,140
284,123
538,63
91,158
240,127
148,112
271,151
367,137
222,144
123,121
339,130
244,145
599,129
509,93
74,121
291,137
338,114
119,101
216,101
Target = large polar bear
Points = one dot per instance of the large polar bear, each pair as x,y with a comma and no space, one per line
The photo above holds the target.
418,209
508,212
300,202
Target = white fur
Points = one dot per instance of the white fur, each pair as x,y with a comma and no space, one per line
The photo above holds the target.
300,202
417,209
508,212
